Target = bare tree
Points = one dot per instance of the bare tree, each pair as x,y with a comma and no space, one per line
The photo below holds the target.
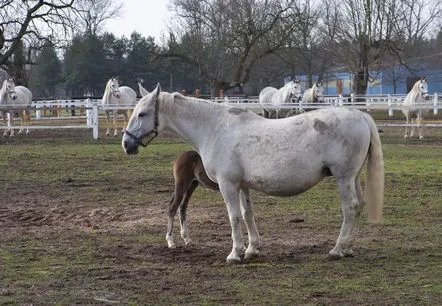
92,14
32,23
226,38
365,32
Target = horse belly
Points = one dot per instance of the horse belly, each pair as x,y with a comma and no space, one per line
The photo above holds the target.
286,181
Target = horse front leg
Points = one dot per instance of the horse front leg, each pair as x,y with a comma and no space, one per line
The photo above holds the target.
28,119
350,192
115,122
420,127
107,114
183,208
5,122
249,219
230,192
10,124
406,126
413,122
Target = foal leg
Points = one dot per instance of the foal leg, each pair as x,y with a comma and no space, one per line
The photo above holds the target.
249,219
230,194
350,192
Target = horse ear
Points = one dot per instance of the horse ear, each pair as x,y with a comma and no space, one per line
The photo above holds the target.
158,88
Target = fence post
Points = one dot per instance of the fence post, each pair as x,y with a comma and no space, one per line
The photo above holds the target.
390,109
95,121
340,100
88,112
435,101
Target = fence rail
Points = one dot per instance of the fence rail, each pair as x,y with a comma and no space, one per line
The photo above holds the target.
93,108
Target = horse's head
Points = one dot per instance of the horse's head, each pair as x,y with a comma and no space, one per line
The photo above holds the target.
143,123
318,92
296,90
114,87
9,87
422,87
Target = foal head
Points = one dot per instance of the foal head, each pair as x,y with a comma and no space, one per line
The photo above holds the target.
143,123
9,88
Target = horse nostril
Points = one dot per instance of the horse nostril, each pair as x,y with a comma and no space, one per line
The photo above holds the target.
125,144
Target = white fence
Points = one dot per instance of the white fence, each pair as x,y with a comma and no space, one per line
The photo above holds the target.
90,109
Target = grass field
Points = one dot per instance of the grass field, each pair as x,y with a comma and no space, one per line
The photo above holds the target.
82,223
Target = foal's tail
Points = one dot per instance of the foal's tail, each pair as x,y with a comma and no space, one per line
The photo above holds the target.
375,174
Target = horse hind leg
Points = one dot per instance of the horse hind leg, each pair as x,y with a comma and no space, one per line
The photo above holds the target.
352,204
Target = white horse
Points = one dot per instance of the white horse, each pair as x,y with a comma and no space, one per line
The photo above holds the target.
19,96
274,98
115,95
410,106
315,94
241,150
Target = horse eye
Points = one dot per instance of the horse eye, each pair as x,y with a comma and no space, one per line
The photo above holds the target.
140,115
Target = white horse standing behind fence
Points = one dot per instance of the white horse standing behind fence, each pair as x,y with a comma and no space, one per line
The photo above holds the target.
279,157
410,107
315,94
114,95
274,98
19,96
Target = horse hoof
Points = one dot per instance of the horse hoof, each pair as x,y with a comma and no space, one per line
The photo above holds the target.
334,255
233,259
421,137
187,241
172,246
251,254
405,136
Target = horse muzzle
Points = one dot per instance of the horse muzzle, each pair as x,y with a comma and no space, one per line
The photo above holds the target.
130,147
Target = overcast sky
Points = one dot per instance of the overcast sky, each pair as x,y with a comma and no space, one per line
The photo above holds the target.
147,17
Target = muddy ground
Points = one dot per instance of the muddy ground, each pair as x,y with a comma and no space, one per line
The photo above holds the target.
81,223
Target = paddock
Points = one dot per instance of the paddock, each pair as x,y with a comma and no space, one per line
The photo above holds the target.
88,113
82,223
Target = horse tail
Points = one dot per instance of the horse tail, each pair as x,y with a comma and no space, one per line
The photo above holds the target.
375,174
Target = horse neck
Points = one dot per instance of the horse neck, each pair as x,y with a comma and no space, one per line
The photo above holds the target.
191,119
284,93
3,95
107,94
411,97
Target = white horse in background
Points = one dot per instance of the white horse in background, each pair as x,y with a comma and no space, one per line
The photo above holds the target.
143,91
114,95
410,106
274,98
315,94
241,151
19,96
